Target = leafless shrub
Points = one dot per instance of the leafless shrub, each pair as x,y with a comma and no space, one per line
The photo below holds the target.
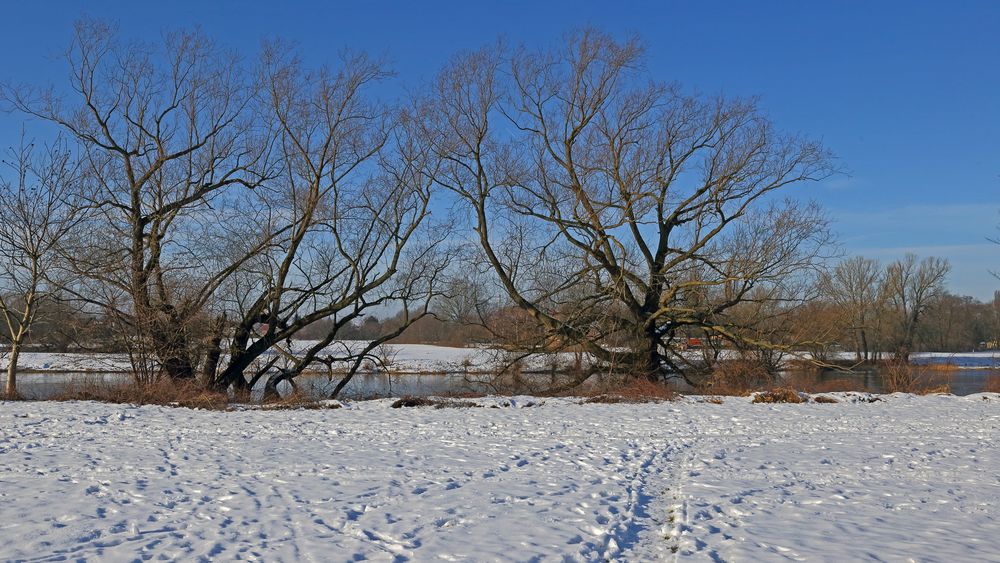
633,390
778,395
898,377
901,377
736,377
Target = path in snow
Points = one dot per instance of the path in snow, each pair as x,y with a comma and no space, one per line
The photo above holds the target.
907,477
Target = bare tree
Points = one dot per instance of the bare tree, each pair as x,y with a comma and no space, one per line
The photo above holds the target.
614,209
856,285
39,205
170,138
348,221
910,287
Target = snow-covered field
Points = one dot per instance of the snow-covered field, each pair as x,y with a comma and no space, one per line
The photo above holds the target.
902,478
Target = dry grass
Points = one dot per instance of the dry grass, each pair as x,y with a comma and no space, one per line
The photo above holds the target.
736,377
190,394
778,395
939,367
825,399
944,388
900,377
297,401
992,384
634,390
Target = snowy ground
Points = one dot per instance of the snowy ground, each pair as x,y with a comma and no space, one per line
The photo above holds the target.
906,477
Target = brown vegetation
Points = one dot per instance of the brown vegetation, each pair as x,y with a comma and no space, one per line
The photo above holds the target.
992,384
736,377
778,395
190,394
280,203
939,367
901,377
634,390
437,403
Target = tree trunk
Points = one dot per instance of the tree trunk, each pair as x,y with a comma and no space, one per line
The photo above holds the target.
10,389
174,353
214,352
271,392
864,345
178,366
240,358
650,364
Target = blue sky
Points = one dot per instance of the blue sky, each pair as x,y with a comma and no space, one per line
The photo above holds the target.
907,94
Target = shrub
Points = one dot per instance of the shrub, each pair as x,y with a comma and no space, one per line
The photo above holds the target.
992,384
737,377
431,402
900,377
897,377
934,390
825,399
172,393
632,390
296,400
778,395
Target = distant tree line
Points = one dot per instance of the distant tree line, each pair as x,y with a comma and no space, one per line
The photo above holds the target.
201,211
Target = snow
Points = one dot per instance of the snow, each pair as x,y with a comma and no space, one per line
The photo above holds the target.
70,362
901,477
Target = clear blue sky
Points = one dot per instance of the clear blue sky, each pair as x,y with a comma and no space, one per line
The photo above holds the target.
907,94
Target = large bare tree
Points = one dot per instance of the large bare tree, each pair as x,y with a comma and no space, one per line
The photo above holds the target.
349,222
236,205
614,209
170,137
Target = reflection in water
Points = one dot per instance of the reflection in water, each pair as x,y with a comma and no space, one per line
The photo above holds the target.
959,381
363,385
368,385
